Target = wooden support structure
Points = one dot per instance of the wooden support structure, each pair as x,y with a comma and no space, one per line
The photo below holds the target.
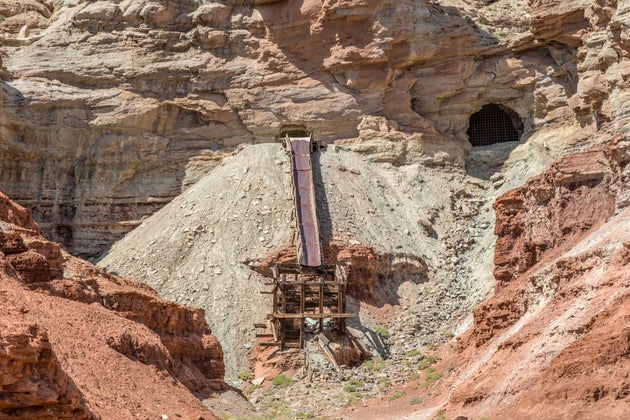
307,288
304,292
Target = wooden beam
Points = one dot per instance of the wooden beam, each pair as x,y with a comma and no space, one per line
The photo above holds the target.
314,316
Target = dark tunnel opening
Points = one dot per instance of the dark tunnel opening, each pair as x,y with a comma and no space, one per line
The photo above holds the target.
494,124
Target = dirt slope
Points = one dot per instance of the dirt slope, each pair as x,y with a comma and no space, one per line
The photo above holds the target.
553,342
76,342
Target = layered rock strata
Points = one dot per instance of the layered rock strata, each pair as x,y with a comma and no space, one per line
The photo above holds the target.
557,331
111,108
76,342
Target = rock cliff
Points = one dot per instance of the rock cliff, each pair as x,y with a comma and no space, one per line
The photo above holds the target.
111,108
76,342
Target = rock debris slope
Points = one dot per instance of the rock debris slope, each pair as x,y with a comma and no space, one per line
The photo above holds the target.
553,341
77,343
197,250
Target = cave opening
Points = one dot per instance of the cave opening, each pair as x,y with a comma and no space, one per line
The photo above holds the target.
494,124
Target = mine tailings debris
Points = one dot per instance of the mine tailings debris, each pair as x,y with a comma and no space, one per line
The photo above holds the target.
309,297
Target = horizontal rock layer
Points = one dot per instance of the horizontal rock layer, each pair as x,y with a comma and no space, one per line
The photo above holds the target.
111,108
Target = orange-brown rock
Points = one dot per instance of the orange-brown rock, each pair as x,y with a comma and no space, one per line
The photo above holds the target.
554,340
557,209
76,342
556,329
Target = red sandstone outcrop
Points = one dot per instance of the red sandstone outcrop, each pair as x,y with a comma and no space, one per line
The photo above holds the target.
557,209
558,330
554,340
76,342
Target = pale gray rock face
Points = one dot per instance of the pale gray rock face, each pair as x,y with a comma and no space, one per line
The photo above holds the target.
112,108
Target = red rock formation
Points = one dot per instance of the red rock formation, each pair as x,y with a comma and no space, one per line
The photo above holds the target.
76,342
33,383
554,340
555,210
557,328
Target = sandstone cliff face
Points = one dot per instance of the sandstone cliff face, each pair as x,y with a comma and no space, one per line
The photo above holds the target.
112,107
76,342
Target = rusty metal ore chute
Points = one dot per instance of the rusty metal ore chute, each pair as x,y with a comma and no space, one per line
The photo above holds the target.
306,289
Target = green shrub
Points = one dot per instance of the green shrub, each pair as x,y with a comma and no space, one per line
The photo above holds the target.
354,398
356,382
431,377
245,376
350,388
415,401
427,361
383,383
382,331
441,415
397,394
412,353
375,365
282,381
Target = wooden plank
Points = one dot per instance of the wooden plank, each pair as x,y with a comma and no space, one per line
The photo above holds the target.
264,335
260,325
314,316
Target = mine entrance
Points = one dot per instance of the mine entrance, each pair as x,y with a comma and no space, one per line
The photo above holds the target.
493,124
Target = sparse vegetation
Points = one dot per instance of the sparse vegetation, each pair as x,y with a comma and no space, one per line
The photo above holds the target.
431,376
412,353
250,390
375,365
382,331
383,383
415,401
245,376
354,398
449,334
278,410
282,381
427,361
397,394
353,385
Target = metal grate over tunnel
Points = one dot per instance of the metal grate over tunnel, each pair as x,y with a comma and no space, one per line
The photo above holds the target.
491,125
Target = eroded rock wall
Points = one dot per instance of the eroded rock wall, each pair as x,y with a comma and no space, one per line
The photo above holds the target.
556,331
112,107
76,342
